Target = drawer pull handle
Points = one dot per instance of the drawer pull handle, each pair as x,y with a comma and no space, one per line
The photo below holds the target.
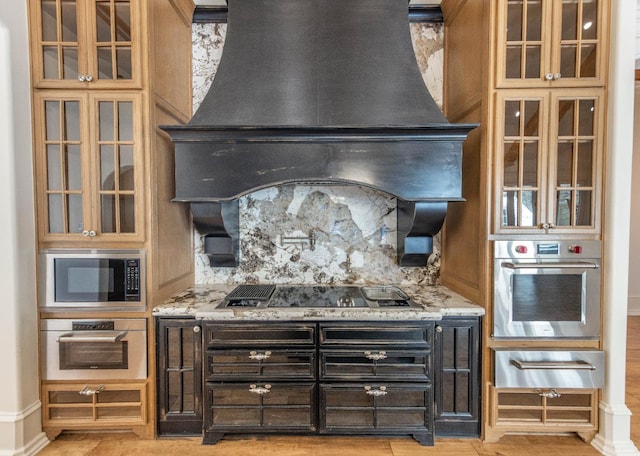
259,356
86,391
560,365
375,356
382,391
259,389
550,394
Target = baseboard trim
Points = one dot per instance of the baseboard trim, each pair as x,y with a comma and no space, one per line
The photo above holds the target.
22,432
633,306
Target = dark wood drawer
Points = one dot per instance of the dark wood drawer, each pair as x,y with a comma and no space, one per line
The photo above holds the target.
248,364
381,407
259,335
365,363
257,406
397,334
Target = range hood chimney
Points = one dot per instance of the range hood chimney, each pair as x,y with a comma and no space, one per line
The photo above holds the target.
318,91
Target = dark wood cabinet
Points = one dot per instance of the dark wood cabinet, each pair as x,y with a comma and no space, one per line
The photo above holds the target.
179,376
324,377
376,378
457,377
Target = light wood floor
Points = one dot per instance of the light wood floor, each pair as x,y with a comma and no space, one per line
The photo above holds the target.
128,444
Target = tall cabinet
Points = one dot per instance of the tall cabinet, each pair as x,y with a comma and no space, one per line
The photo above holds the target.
105,73
533,73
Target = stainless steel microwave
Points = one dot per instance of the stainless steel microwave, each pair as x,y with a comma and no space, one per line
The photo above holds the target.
105,279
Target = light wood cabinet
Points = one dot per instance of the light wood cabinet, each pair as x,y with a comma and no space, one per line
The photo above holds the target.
83,406
89,166
550,43
533,73
86,44
549,161
104,74
560,410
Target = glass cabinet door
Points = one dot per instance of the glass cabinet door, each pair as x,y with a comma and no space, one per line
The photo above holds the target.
549,162
85,43
521,161
575,164
547,43
89,166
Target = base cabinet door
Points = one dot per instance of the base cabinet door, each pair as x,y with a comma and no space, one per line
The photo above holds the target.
457,377
179,367
91,406
255,407
375,408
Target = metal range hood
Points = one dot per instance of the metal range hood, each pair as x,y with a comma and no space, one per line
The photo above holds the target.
318,91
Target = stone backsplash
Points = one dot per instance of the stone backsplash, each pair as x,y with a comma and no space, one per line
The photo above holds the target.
314,233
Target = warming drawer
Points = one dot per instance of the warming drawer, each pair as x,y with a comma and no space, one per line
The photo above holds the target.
548,368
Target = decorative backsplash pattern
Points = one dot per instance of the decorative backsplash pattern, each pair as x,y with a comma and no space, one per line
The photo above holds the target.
316,233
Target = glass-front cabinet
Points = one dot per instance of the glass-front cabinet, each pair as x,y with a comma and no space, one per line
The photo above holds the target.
549,161
89,166
85,43
548,43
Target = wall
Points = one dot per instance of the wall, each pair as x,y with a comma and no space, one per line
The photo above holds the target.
20,418
634,242
354,227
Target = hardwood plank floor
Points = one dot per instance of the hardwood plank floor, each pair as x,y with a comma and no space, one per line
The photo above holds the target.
127,444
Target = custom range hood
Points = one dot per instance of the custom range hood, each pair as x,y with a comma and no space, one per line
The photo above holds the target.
318,91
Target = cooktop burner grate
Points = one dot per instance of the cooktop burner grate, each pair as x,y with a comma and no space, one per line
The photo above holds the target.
250,292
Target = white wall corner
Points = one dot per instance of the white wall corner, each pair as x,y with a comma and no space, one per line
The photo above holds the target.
637,34
21,433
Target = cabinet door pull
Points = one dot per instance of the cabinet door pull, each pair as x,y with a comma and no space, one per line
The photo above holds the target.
255,389
550,394
86,391
196,329
259,356
382,391
375,356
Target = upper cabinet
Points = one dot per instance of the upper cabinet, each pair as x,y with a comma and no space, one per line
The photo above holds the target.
550,43
89,163
549,161
86,43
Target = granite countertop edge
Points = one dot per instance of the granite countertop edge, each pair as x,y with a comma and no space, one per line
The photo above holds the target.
201,302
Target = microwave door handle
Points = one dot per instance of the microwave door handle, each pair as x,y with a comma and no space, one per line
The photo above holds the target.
559,365
92,336
578,265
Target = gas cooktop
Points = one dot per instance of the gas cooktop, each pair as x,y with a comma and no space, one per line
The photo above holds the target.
317,296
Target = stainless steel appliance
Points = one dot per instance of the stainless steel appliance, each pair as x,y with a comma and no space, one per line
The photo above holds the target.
546,289
534,368
86,349
113,279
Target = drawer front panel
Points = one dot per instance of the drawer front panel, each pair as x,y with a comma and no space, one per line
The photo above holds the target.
548,368
366,363
260,405
378,334
375,407
259,335
260,364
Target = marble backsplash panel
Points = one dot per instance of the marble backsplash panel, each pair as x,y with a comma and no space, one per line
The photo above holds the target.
353,228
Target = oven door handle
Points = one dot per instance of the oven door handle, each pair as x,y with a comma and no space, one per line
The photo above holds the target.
92,336
558,365
578,265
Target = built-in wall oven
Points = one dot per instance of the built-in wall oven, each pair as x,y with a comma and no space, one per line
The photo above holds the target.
547,289
93,349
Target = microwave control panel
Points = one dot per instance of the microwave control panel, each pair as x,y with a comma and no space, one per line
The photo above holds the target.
132,279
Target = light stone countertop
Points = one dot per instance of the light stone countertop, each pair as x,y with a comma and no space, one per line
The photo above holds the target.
201,302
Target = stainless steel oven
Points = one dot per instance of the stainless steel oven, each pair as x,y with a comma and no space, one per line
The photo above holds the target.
83,349
546,289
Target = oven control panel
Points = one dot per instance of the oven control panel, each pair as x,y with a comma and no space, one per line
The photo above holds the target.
547,249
